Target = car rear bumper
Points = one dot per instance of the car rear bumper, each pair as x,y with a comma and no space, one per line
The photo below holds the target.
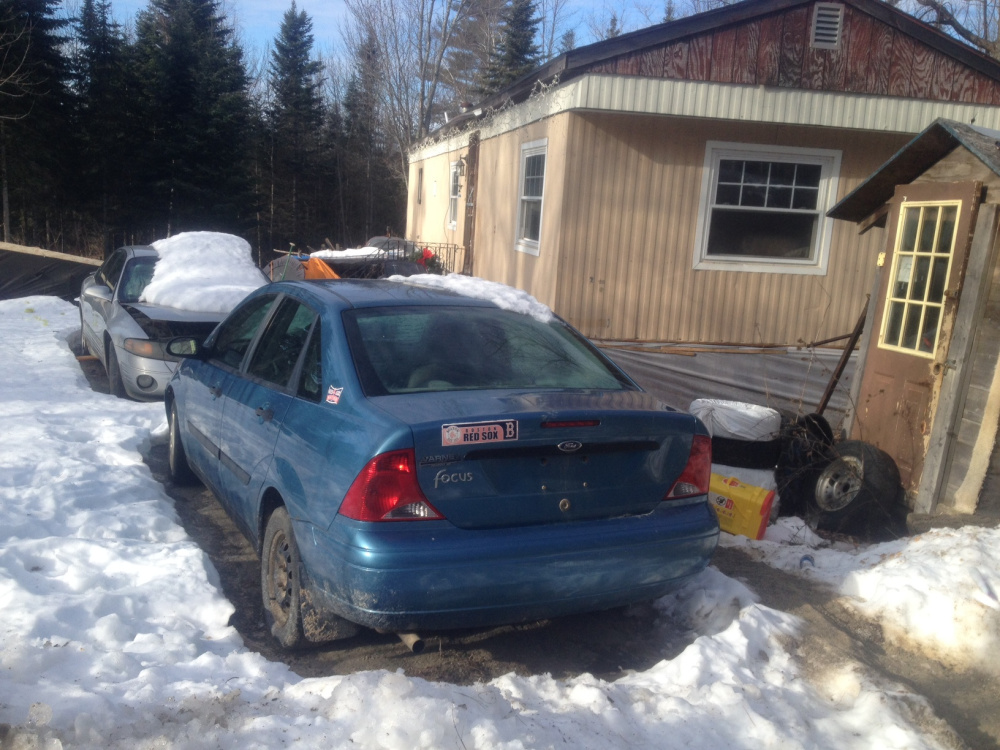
431,575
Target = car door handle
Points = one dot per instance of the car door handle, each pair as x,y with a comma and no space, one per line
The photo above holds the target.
215,390
266,414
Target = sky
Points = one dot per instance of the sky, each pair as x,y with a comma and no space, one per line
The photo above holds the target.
115,632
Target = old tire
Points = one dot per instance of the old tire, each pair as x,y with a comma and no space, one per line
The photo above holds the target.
280,581
806,445
115,385
180,469
857,492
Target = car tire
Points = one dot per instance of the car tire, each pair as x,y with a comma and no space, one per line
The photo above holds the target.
806,445
280,581
83,336
858,493
115,385
180,469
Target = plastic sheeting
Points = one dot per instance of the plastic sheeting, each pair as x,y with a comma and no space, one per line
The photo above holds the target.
736,419
27,271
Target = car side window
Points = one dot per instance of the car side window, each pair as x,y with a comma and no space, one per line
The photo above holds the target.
282,342
311,383
112,269
235,335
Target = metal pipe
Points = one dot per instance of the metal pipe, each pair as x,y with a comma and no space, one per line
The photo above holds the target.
413,641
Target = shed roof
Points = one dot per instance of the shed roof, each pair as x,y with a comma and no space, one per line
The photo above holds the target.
579,61
937,140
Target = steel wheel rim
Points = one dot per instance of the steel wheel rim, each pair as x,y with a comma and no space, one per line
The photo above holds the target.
839,483
280,577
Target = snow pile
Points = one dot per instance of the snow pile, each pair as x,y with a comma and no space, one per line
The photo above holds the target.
352,252
203,272
937,592
115,634
503,296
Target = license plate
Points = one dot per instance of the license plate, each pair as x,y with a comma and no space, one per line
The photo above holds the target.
478,433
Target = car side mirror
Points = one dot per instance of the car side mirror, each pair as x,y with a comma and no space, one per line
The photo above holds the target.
185,347
99,291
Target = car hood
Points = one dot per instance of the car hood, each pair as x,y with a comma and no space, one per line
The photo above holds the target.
160,322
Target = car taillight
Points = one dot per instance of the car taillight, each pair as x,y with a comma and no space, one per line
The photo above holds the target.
698,472
387,490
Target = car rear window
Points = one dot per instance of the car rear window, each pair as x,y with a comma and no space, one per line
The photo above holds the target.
416,349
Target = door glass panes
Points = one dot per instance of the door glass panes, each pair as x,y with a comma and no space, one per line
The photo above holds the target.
919,279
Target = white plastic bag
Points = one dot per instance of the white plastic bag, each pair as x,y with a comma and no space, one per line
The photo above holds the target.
734,419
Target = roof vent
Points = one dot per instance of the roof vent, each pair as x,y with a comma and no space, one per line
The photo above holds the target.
827,26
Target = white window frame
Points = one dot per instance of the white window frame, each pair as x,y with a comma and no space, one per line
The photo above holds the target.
521,243
829,162
454,194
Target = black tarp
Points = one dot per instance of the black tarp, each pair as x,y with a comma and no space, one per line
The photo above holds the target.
27,271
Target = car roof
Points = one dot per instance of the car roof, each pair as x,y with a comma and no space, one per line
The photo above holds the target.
346,293
141,251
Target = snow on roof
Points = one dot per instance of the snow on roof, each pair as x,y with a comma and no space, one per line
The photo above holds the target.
203,272
352,252
503,296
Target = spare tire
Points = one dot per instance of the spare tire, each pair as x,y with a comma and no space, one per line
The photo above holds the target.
858,492
806,444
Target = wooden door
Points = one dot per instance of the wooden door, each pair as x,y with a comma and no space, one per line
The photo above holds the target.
930,230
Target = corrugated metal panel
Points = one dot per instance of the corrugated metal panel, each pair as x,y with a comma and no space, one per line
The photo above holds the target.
629,223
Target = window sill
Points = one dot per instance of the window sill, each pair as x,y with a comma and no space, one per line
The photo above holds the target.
528,247
803,268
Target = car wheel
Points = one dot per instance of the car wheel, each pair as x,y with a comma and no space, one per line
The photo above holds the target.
115,384
180,469
857,492
806,443
83,336
280,581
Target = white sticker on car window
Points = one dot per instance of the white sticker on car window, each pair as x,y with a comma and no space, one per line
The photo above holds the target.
333,395
477,433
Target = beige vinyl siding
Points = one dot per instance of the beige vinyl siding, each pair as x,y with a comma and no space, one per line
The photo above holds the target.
428,219
628,233
496,210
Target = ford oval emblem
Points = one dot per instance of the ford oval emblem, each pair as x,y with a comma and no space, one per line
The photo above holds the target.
570,446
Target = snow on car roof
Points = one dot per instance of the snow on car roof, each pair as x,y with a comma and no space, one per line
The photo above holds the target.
503,296
203,272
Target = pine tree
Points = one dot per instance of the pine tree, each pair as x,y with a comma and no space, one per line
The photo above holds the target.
295,118
516,53
196,116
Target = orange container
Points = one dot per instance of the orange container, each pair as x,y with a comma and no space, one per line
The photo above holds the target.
741,508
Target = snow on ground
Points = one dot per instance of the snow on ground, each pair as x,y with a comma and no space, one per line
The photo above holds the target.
203,272
114,632
503,296
936,592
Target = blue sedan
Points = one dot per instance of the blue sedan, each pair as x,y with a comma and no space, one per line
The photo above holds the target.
406,458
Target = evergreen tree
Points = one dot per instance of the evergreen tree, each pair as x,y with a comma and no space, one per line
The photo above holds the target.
296,117
36,133
196,119
567,41
516,52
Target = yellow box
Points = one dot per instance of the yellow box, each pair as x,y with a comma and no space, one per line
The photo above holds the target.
741,508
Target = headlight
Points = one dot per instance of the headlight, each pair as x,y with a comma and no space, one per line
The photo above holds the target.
146,348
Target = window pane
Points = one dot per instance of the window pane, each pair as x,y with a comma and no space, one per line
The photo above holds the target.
928,225
135,279
808,175
311,384
278,351
938,280
782,173
235,335
895,323
929,334
761,234
531,220
755,172
911,327
805,198
919,284
903,269
909,240
730,171
534,175
753,195
949,215
728,195
779,197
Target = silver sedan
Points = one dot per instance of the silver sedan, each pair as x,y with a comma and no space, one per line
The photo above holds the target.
130,336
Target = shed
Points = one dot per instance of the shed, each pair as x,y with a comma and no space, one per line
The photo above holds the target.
929,386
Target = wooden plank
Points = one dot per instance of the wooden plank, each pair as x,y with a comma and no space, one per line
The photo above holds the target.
745,54
608,66
900,80
987,91
627,65
769,50
858,31
963,85
699,58
925,60
813,62
794,33
943,74
955,382
651,62
835,69
880,61
723,51
675,60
